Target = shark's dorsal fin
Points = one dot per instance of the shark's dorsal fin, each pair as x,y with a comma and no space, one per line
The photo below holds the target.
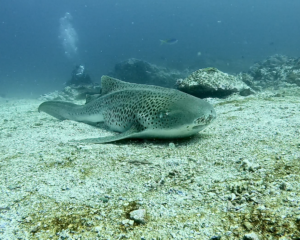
109,84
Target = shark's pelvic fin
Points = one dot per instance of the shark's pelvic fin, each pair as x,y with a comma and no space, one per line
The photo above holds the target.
136,128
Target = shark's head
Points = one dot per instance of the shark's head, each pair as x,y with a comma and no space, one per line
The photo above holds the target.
181,118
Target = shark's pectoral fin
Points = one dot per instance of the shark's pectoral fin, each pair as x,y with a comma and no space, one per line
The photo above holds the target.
135,128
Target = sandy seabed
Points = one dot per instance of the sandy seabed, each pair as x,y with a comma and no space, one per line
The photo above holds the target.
238,179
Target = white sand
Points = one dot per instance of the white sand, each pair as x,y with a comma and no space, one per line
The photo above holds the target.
239,176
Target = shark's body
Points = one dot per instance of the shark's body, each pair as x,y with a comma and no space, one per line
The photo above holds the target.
137,111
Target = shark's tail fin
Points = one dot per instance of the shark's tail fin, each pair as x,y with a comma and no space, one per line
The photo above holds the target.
58,109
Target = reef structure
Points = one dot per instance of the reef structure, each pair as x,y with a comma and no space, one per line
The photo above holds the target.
142,72
72,92
211,82
275,72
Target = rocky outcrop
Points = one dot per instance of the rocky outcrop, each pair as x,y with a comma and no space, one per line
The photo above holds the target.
276,71
210,82
138,71
72,92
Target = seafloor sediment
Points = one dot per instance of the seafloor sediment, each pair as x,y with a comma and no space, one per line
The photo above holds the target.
239,178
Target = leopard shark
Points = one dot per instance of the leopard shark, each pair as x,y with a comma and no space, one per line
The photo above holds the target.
137,111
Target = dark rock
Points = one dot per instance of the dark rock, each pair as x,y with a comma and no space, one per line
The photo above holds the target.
138,71
215,238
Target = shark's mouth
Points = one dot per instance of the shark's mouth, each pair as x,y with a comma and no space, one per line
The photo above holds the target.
204,120
199,127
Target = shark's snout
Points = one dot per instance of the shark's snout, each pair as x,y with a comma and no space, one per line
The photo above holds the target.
205,119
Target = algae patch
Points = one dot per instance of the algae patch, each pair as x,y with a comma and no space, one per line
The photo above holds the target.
52,219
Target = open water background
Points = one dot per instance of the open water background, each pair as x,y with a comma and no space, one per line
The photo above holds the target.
230,35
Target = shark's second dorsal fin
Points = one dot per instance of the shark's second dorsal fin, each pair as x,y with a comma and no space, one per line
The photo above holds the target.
109,84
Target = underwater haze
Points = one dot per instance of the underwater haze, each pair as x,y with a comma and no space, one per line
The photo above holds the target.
41,41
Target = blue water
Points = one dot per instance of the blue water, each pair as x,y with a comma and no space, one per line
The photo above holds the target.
230,35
